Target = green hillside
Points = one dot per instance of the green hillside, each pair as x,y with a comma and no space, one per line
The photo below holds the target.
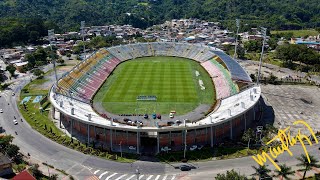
289,14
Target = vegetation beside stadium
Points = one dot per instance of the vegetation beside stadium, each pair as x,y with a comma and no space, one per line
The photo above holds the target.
172,80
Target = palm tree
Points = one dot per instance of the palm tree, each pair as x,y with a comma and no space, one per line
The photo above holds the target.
261,171
306,165
284,172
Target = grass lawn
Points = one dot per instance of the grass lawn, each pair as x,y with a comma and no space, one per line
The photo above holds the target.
267,58
171,79
298,33
31,88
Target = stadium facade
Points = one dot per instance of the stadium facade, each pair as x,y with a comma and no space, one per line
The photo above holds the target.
237,106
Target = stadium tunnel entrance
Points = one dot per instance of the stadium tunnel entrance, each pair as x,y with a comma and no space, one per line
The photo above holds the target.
148,143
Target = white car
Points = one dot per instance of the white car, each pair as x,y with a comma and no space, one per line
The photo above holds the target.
200,147
171,115
15,122
193,147
1,111
13,94
132,148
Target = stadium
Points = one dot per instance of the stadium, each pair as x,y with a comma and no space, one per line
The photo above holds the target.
146,98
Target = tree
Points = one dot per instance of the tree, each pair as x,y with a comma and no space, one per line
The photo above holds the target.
231,175
253,45
69,55
240,52
306,165
38,72
272,79
273,43
271,129
12,150
60,60
5,141
262,172
34,170
11,69
290,53
284,172
40,55
247,136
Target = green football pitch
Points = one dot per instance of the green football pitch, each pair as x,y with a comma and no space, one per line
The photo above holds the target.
172,80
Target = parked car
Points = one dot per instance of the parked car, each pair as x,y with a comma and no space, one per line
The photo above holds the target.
140,123
13,94
166,148
15,122
171,115
1,111
193,147
145,116
178,122
132,148
185,168
170,123
200,147
154,116
159,116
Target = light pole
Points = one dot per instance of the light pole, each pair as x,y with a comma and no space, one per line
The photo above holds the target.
50,37
82,34
48,169
185,140
137,172
235,48
264,33
120,148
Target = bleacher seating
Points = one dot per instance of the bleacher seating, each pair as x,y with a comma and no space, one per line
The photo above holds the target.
85,79
227,76
221,84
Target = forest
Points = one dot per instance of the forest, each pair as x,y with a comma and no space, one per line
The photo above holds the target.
67,14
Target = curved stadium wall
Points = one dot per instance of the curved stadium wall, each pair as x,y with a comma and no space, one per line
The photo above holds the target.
236,110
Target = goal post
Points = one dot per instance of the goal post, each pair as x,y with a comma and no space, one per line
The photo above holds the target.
146,104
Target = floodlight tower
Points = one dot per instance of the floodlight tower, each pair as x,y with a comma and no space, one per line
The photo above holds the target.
82,28
235,48
264,33
51,37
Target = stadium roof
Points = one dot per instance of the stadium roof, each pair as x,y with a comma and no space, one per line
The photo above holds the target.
237,72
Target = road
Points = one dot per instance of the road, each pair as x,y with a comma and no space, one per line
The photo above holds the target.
88,167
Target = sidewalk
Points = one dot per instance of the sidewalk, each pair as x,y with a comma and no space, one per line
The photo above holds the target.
46,170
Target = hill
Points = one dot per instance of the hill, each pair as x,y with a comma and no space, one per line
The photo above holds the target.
276,14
